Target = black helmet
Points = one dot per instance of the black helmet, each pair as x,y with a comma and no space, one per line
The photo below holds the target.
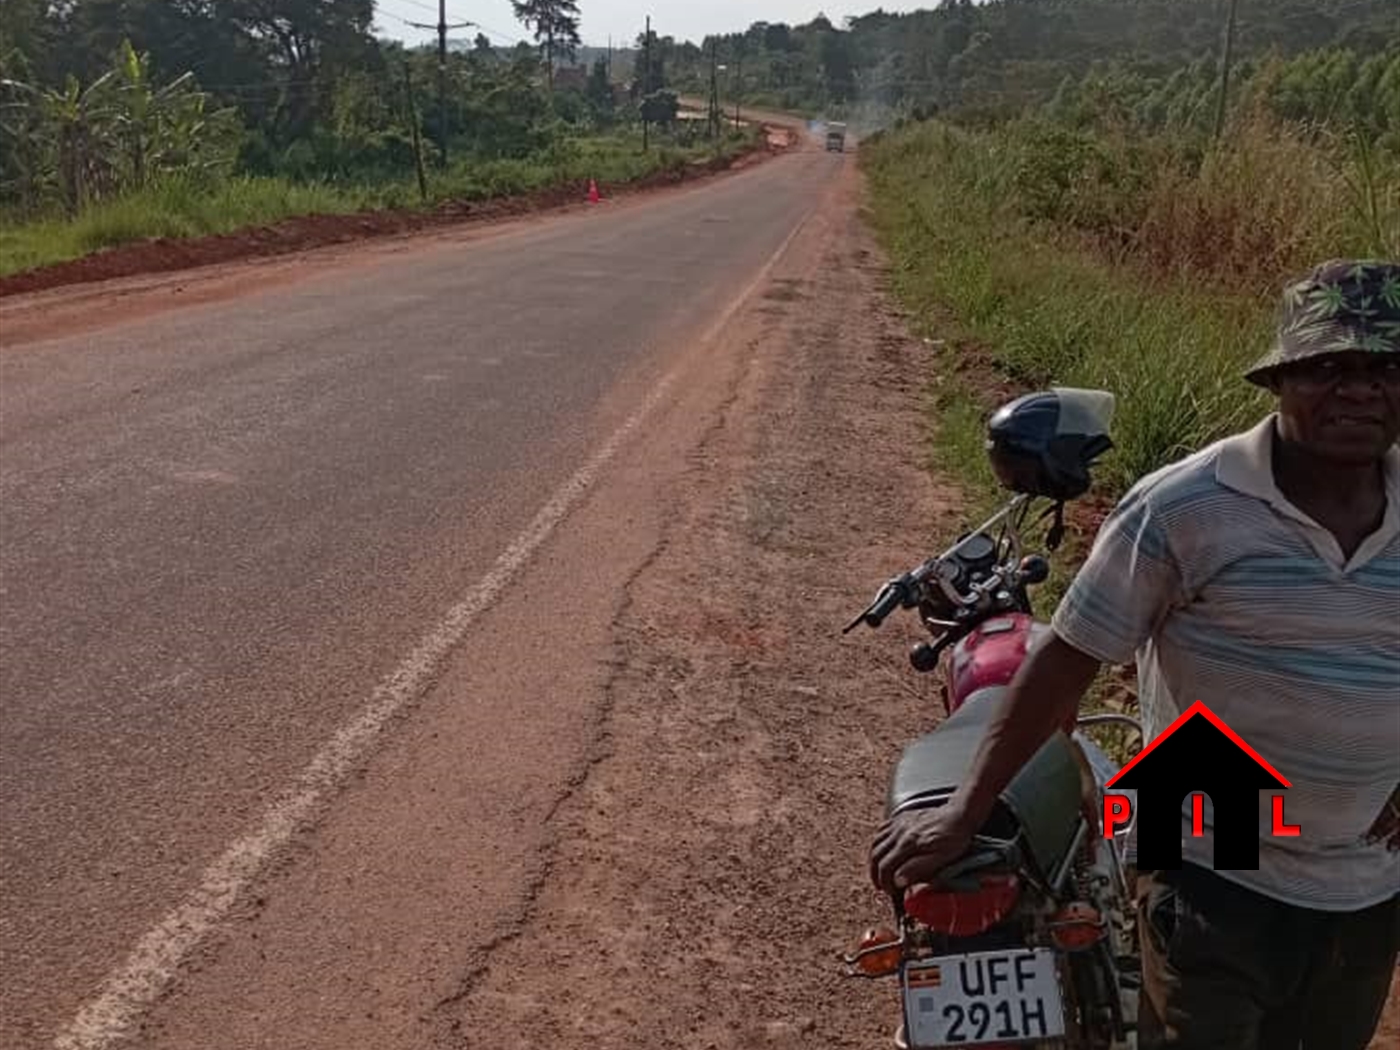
1044,444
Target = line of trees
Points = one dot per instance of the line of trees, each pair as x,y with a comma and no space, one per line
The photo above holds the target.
1331,87
1001,57
99,97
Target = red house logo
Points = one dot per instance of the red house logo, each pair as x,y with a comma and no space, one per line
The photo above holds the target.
1197,755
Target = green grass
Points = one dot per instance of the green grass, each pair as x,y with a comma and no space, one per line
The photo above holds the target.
1048,310
189,208
174,209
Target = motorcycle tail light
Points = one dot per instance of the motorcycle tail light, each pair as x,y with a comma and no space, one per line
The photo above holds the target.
1076,927
967,913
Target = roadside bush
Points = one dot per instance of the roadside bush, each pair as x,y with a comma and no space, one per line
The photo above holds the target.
1270,200
1049,308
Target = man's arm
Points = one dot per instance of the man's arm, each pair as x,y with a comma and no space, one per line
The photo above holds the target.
1044,694
1128,583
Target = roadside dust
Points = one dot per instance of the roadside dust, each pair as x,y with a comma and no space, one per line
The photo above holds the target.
711,868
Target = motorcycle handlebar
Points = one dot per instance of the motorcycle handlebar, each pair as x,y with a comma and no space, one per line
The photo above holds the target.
897,593
905,591
890,598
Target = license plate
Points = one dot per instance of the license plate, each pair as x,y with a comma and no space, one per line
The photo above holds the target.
986,997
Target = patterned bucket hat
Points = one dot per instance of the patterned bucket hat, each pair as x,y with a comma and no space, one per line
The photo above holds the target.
1343,306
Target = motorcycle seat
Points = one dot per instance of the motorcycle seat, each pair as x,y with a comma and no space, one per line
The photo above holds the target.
1042,804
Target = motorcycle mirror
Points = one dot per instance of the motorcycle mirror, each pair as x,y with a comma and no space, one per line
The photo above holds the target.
1034,569
924,658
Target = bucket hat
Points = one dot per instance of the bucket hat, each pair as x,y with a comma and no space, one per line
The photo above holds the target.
1342,306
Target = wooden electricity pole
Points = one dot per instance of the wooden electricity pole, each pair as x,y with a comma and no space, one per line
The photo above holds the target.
1225,60
713,115
413,123
442,27
738,83
646,80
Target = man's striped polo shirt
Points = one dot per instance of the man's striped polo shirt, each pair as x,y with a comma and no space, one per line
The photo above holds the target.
1228,594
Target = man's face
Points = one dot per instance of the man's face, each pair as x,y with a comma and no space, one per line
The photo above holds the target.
1343,407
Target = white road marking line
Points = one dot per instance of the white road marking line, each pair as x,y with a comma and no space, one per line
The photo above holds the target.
157,956
126,995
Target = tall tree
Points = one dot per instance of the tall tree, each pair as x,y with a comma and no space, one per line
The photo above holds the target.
304,40
649,64
26,36
600,91
555,25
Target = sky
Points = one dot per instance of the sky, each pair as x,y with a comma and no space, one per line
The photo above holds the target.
623,19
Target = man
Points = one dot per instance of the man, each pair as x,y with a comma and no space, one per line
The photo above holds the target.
1262,576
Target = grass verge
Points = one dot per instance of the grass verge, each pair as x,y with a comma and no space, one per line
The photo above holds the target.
1038,308
184,207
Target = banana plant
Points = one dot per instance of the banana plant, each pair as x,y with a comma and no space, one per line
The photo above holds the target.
115,134
75,126
157,125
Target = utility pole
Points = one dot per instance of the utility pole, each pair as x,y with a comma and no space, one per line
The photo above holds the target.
1225,70
712,115
646,80
442,27
442,82
738,82
413,123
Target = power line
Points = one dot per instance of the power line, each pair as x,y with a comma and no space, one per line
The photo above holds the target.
395,16
502,36
490,31
260,85
380,9
422,4
459,25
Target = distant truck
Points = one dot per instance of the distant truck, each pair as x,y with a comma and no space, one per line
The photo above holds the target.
836,138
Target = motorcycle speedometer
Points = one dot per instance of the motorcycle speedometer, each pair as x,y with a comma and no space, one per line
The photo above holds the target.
976,554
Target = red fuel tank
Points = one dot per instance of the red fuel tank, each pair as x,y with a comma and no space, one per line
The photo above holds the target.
991,655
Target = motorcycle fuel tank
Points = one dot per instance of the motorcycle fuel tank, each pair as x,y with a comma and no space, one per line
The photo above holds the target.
991,654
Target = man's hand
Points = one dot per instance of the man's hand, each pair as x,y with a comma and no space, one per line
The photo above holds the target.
915,846
1387,826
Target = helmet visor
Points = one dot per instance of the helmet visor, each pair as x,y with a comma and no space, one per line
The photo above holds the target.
1087,412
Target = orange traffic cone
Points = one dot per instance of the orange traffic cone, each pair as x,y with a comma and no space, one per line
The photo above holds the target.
593,195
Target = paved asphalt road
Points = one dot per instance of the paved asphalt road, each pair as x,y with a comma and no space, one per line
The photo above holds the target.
222,526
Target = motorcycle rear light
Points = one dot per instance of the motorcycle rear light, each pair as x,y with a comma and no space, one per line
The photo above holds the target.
1076,927
964,914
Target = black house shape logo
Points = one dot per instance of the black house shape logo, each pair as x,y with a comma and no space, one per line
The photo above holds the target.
1198,753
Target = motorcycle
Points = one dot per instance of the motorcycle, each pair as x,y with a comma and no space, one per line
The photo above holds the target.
1028,939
